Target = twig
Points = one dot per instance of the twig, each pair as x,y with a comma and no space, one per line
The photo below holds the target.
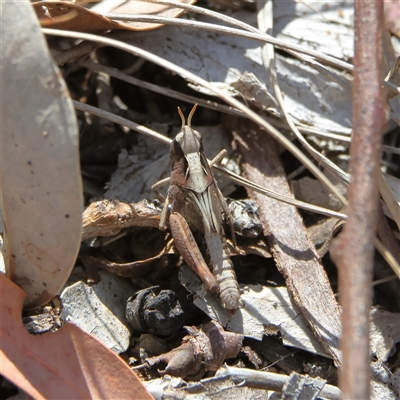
269,381
74,52
120,120
353,250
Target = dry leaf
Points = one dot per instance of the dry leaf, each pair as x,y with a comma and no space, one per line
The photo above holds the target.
68,363
86,20
41,183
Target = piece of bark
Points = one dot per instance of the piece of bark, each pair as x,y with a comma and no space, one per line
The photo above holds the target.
294,253
109,217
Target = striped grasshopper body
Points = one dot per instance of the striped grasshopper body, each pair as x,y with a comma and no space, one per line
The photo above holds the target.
195,204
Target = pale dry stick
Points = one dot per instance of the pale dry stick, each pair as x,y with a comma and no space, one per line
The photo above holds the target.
277,196
122,121
235,103
236,178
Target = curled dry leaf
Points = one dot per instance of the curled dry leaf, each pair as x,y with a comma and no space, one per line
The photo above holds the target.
204,349
86,20
109,217
41,183
69,363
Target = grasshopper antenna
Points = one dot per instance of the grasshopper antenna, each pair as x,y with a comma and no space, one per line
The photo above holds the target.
191,115
182,117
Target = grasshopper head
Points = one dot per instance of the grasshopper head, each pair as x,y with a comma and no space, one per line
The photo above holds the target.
188,138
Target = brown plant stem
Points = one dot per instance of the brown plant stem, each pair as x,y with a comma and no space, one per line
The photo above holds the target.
353,251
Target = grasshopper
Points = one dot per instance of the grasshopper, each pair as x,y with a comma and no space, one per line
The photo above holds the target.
194,203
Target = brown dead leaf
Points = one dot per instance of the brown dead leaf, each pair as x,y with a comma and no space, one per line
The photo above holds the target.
87,20
69,363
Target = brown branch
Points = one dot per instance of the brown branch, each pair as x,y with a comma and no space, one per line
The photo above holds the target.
353,251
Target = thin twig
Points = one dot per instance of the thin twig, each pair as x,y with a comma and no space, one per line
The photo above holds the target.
120,120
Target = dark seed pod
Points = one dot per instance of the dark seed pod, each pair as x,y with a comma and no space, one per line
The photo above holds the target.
154,311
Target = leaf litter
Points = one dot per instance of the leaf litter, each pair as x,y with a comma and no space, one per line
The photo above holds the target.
115,223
